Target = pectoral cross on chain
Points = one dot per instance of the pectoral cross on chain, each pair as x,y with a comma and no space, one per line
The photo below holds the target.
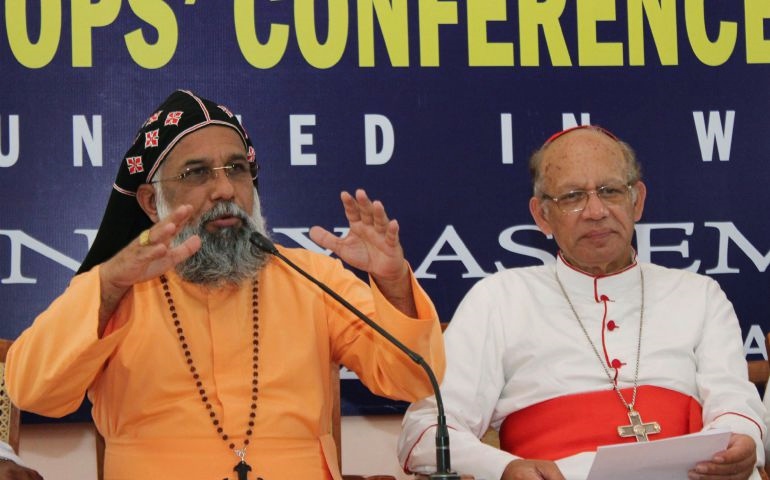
242,468
638,429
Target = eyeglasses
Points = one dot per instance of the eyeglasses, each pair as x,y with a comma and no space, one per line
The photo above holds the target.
576,200
237,172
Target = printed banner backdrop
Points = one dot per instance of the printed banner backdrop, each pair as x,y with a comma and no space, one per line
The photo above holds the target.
432,106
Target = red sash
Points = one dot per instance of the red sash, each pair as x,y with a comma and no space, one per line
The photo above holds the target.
564,426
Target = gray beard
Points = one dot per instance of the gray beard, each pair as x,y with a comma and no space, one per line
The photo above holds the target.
226,255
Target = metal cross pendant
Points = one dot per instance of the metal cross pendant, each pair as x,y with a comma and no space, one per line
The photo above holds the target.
638,429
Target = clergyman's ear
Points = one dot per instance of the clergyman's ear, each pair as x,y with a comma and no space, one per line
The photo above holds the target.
641,194
145,195
539,214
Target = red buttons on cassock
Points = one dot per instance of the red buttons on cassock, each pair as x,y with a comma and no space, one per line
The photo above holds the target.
617,364
604,298
611,325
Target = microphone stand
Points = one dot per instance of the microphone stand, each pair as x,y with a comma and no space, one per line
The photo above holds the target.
443,462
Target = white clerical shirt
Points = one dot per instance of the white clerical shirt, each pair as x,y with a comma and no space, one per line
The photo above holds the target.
514,342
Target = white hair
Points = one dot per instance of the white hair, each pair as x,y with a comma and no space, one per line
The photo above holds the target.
225,256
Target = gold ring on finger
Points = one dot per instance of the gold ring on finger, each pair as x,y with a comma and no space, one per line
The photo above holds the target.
144,238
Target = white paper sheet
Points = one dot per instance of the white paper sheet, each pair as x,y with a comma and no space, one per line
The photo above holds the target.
667,459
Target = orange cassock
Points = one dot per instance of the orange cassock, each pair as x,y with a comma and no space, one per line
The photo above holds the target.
146,403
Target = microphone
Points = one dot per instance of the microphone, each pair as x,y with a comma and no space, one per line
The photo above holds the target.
443,462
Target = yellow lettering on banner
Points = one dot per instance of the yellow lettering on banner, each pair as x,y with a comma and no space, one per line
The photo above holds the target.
317,54
481,52
432,14
590,51
534,14
757,46
259,55
711,53
392,17
86,16
159,15
661,15
33,54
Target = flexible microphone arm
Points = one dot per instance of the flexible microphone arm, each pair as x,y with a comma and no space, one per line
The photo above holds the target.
443,462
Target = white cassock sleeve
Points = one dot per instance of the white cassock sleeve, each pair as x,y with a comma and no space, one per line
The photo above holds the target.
729,400
506,335
470,390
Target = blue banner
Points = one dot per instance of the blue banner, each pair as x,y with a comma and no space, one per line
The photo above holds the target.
432,106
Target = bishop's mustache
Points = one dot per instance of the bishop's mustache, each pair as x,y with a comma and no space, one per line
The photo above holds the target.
226,209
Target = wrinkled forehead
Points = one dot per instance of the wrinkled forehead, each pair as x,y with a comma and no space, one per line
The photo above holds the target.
210,146
582,158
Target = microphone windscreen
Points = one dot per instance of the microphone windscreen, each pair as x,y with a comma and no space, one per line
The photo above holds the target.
263,243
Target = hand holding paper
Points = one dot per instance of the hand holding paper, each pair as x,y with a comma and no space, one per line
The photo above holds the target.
737,461
667,459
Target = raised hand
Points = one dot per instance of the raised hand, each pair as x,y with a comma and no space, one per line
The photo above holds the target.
144,258
372,245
